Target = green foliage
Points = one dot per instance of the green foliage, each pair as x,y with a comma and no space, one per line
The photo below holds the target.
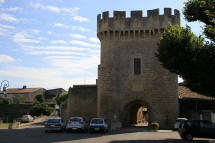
40,98
5,101
18,99
204,11
40,109
189,56
62,99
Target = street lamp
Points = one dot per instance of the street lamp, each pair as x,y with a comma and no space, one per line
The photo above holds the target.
5,84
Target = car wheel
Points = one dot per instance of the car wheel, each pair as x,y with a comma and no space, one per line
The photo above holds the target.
189,137
46,131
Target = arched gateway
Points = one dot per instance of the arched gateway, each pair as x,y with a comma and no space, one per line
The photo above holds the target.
136,113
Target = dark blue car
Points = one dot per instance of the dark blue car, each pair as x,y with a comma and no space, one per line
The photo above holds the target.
196,128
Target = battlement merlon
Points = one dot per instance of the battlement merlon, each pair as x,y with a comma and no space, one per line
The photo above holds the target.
136,21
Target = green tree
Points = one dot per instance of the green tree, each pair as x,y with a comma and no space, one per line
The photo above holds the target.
189,56
38,109
5,101
40,98
62,99
18,99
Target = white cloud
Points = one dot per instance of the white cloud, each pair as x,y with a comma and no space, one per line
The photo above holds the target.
79,18
2,29
79,28
6,59
43,77
78,36
64,11
58,42
81,43
23,38
7,26
12,9
8,17
53,48
93,39
60,25
56,53
60,57
42,38
37,77
2,1
80,66
34,31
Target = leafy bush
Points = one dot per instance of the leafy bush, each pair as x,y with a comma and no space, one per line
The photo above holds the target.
40,98
62,99
18,99
40,109
5,101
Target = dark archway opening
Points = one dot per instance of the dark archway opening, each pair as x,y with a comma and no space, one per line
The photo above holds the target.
136,114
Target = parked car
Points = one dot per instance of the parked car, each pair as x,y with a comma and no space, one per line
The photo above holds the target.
54,124
98,125
76,124
196,128
178,122
27,118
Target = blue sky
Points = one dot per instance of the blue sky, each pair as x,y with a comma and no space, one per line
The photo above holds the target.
53,43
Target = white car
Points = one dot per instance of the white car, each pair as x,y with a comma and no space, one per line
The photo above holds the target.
54,124
98,125
27,118
76,124
178,122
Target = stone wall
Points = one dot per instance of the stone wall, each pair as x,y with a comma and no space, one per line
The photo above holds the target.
13,111
122,40
82,101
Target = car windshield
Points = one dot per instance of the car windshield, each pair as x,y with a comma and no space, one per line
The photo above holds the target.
97,121
54,121
75,120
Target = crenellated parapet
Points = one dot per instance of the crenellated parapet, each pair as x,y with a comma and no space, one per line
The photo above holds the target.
120,27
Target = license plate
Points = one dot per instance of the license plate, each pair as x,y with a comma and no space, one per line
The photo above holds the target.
96,129
74,128
52,125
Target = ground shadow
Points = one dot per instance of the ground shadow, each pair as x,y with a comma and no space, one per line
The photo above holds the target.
160,141
38,135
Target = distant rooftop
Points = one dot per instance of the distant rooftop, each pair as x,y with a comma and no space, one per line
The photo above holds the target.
184,92
21,90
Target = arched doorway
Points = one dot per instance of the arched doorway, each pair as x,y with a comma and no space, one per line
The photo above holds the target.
136,113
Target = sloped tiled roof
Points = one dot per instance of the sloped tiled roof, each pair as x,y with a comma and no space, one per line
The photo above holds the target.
21,90
184,92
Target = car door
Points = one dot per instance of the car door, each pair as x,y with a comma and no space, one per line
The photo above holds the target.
194,128
206,129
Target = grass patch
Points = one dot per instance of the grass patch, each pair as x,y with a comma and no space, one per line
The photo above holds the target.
6,125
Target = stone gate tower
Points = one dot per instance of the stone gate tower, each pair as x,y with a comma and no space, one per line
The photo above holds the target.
129,74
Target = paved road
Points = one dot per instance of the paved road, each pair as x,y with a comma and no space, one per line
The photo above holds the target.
37,135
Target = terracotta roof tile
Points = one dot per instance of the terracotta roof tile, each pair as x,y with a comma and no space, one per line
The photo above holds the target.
184,92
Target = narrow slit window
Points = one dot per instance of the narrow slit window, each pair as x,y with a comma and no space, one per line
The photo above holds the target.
137,66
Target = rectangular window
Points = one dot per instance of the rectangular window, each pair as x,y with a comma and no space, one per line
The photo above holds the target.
137,66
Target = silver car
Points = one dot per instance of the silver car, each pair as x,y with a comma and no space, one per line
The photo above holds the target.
98,125
54,124
76,124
